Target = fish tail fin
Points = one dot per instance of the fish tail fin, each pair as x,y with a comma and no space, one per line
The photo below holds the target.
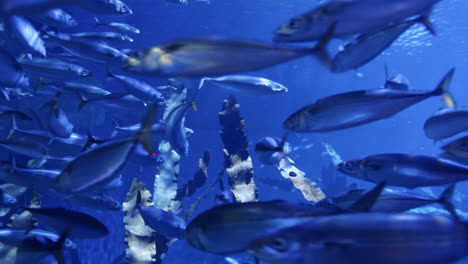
144,135
51,140
89,142
14,127
40,83
5,95
202,82
60,245
426,22
98,23
443,89
367,201
114,123
83,102
386,75
320,50
192,101
446,200
110,74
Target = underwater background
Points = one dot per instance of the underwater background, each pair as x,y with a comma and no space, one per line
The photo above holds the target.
418,55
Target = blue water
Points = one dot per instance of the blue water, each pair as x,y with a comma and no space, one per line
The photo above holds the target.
418,55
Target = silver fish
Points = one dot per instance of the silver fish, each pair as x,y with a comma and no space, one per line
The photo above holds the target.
31,149
119,101
41,178
23,33
81,225
14,237
40,135
36,249
405,170
121,27
108,37
360,107
69,57
55,120
139,89
392,201
155,128
351,17
8,112
97,167
53,68
77,87
98,52
214,56
245,85
55,18
366,47
103,202
163,222
367,238
12,74
446,123
175,128
25,147
243,223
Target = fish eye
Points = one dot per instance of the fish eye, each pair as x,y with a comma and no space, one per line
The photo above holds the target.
279,244
295,23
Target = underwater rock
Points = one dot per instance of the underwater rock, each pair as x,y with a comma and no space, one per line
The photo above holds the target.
139,237
297,177
237,160
165,182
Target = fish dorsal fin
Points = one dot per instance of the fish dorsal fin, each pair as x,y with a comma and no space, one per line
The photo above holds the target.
386,75
446,200
367,201
424,19
144,135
